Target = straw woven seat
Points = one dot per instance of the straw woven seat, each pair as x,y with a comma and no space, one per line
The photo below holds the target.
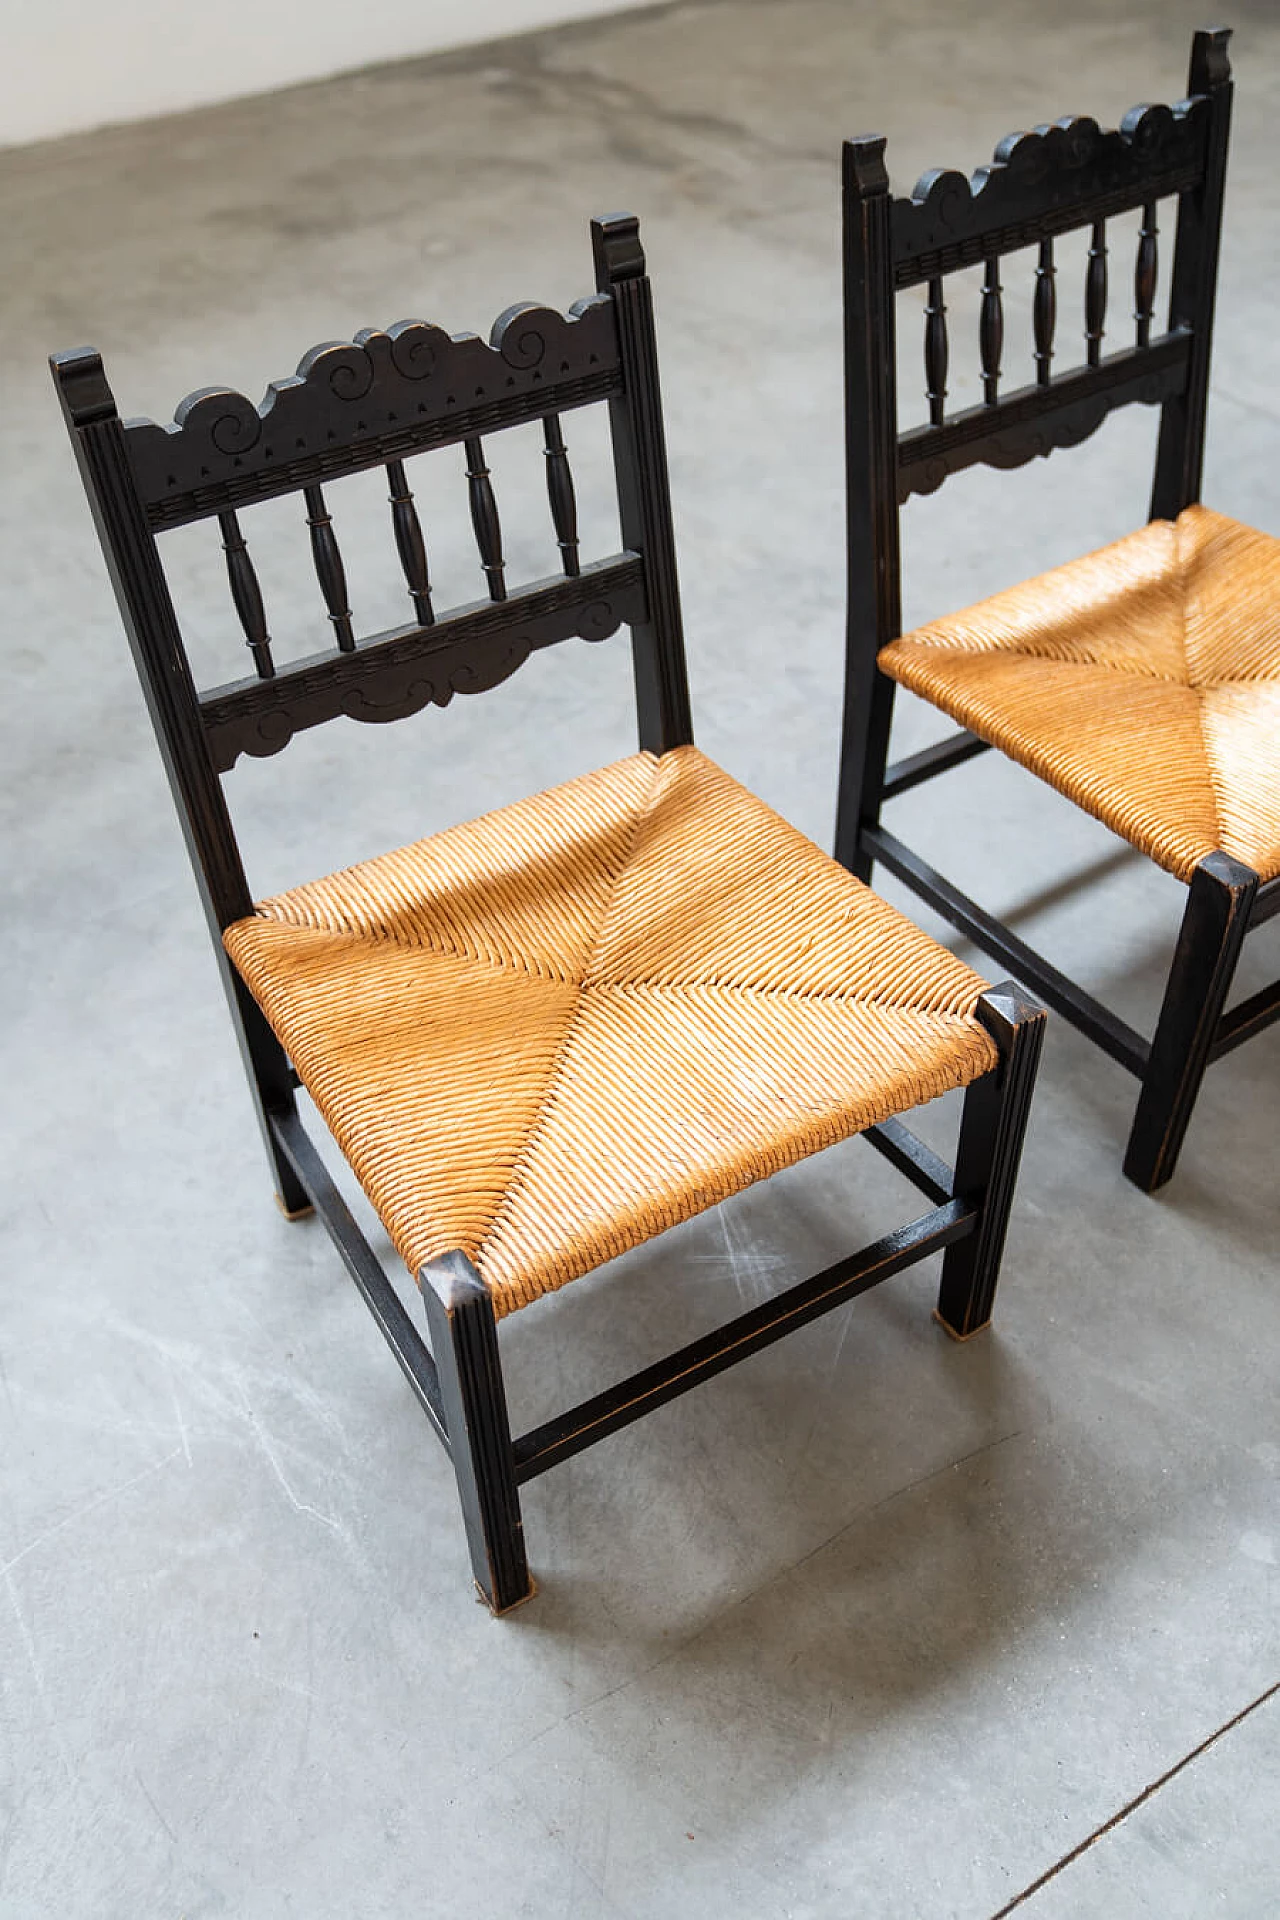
547,1035
1143,682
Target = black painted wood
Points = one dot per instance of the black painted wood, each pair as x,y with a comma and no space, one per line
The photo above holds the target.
380,397
560,494
1146,271
935,352
1064,995
1254,1015
1095,293
1180,452
351,408
991,330
329,568
363,1265
247,594
993,1125
1219,900
1044,312
900,1147
1266,903
410,545
654,1386
1050,181
1034,421
939,758
394,674
1062,177
464,1340
644,492
484,520
150,623
872,578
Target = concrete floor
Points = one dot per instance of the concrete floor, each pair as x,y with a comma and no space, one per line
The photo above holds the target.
874,1625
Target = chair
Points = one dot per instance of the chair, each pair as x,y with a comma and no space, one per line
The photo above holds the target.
1143,682
545,1036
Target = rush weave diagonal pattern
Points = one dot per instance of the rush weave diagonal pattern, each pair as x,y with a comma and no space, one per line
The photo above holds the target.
546,1036
1143,682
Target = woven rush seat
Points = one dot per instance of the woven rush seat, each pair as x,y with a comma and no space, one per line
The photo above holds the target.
547,1035
1143,682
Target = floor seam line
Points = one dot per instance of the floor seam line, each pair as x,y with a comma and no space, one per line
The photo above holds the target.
1138,1800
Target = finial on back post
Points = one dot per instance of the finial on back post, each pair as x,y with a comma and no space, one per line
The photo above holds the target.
615,244
82,386
1210,60
864,170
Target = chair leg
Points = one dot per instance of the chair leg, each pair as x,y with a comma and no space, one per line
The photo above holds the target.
992,1127
1214,923
864,752
271,1087
464,1341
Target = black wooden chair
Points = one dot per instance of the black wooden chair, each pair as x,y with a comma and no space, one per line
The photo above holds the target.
1142,682
543,1037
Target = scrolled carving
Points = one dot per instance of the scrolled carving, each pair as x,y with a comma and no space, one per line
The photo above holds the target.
1043,182
1036,419
358,403
520,334
231,424
1151,129
345,367
400,673
416,347
598,620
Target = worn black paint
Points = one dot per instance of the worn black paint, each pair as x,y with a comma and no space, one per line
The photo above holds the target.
1062,177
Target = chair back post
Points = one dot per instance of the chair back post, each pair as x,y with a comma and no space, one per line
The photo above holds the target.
1180,450
146,608
644,493
873,593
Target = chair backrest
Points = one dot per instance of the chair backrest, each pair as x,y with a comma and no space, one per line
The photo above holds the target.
1057,179
373,402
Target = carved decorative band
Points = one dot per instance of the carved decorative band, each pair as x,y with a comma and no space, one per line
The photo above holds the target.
358,404
913,268
1039,418
398,673
1046,182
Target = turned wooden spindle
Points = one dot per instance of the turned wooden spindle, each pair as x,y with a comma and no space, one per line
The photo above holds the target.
1095,292
1044,312
935,351
564,508
991,331
247,595
410,544
329,568
484,519
1145,271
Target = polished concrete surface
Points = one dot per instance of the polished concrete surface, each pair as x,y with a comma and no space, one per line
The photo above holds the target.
875,1625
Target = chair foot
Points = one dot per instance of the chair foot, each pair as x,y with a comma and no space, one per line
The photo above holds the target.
464,1341
513,1606
992,1127
1214,923
303,1212
960,1338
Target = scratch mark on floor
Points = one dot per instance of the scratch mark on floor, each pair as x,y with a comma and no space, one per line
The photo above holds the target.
173,1838
37,1674
90,1506
177,1409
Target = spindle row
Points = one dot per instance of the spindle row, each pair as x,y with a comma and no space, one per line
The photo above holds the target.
1044,313
326,556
